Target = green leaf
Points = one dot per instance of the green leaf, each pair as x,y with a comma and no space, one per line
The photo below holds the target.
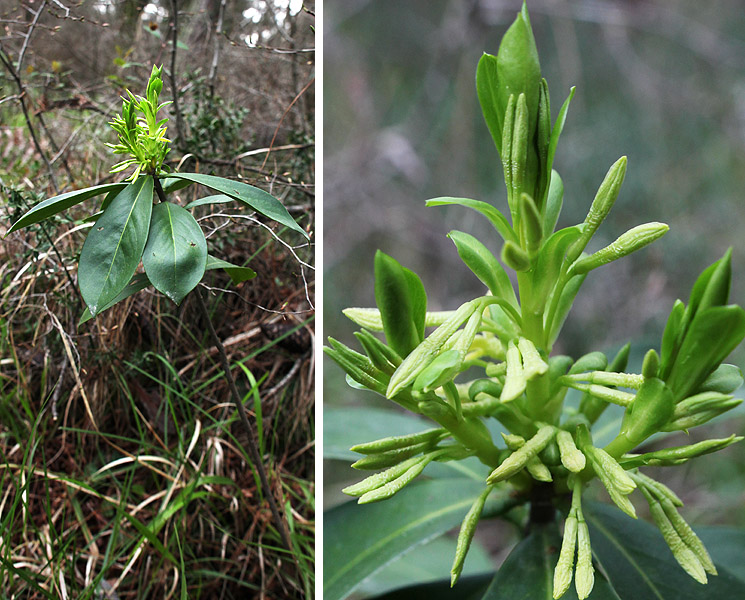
496,218
550,258
56,204
216,199
176,251
402,302
237,274
360,539
484,265
171,184
469,588
426,564
566,300
711,336
639,565
113,248
487,82
553,204
557,129
138,283
259,200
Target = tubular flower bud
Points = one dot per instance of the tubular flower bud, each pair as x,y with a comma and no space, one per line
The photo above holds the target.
631,241
518,459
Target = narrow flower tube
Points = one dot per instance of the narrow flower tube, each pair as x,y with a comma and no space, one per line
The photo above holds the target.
514,381
467,531
571,456
517,460
631,241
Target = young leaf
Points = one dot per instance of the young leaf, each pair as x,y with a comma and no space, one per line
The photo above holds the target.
484,265
712,335
259,200
114,246
237,274
56,204
402,301
215,199
554,201
138,283
176,253
496,218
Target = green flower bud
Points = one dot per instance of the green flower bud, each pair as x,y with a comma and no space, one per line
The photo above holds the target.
565,564
467,531
601,206
531,224
533,365
515,257
519,152
686,557
651,364
399,441
421,356
514,381
584,577
395,485
571,457
518,459
379,479
383,460
680,454
699,409
631,241
688,536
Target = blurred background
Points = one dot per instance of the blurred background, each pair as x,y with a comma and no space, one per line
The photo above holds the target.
660,82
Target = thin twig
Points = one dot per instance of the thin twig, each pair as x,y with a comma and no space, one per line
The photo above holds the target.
216,49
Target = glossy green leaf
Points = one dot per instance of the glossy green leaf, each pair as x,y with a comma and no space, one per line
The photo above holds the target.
557,129
176,252
725,380
639,565
469,588
711,336
549,261
554,202
528,571
259,200
138,283
171,184
487,82
496,218
359,540
566,300
402,302
215,199
484,265
426,564
237,274
114,245
56,204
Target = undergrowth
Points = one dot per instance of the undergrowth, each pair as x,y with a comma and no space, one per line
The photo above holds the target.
120,472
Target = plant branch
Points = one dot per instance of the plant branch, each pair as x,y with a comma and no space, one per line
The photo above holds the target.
216,51
252,447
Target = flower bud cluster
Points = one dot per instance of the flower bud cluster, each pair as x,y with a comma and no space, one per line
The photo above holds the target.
490,360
